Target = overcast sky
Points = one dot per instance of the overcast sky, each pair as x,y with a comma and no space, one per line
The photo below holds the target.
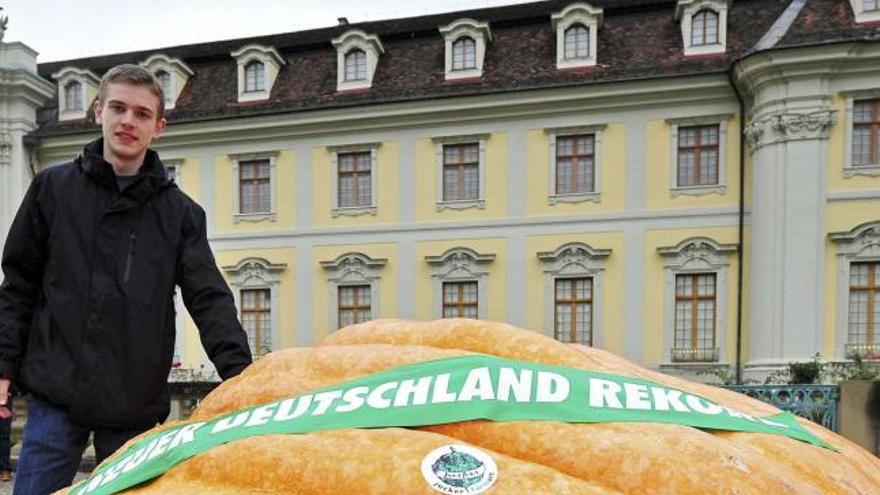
67,29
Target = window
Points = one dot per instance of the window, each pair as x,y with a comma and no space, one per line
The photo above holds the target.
574,310
871,5
460,300
461,172
254,77
698,155
256,318
695,317
73,96
355,181
354,304
577,42
864,310
704,28
172,173
255,193
164,79
866,132
356,65
574,164
464,54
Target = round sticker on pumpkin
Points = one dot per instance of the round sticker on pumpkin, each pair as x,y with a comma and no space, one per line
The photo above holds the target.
459,469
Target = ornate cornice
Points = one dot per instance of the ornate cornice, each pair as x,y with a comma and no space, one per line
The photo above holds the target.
789,126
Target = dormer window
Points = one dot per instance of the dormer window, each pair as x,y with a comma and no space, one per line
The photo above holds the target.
77,88
866,10
172,75
464,54
576,31
258,67
466,41
355,65
73,96
703,26
254,77
357,56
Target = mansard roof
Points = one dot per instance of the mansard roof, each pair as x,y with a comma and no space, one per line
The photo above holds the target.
639,39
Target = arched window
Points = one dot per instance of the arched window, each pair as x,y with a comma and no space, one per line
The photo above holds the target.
164,79
355,65
254,76
704,28
577,42
464,54
73,96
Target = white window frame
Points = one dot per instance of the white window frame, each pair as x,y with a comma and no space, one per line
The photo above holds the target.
258,273
696,255
596,194
372,48
577,13
272,156
470,28
698,190
179,72
373,149
862,15
684,13
574,260
439,142
88,82
861,244
272,62
349,269
849,169
461,264
173,164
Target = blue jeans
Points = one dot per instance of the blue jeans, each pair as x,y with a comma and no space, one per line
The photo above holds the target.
53,447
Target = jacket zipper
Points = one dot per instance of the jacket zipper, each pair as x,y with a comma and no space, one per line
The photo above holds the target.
132,237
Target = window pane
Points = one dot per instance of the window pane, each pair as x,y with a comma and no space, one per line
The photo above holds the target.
862,111
861,150
355,65
471,182
577,42
686,168
709,166
464,54
73,96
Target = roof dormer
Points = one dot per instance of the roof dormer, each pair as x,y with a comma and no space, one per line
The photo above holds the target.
466,41
703,26
258,67
866,10
577,28
357,54
171,73
77,88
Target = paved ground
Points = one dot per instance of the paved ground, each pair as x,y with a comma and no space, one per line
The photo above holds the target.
6,486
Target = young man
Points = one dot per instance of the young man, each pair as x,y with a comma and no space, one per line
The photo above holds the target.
86,305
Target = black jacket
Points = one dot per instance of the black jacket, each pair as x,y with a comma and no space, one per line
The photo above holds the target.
86,309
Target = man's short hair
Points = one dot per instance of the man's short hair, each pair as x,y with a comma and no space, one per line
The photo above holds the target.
136,76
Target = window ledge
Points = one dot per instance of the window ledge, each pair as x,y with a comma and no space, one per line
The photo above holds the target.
594,197
254,217
461,205
246,96
693,365
861,170
463,74
354,211
697,190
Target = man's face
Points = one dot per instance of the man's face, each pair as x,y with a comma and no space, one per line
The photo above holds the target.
129,122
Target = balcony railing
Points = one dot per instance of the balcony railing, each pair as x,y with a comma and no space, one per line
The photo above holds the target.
864,351
695,354
818,403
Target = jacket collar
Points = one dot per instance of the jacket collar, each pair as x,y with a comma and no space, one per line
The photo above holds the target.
151,177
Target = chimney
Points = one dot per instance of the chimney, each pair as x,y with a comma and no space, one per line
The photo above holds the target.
343,21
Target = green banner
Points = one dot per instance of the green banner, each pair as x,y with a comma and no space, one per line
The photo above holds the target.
435,392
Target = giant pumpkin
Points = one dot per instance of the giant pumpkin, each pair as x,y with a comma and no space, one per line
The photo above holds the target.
532,457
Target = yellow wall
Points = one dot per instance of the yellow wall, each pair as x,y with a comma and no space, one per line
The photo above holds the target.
654,347
495,187
612,295
841,216
612,180
386,194
286,296
837,151
189,173
658,135
321,286
226,182
497,277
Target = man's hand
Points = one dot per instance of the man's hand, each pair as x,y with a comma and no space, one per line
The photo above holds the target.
5,398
